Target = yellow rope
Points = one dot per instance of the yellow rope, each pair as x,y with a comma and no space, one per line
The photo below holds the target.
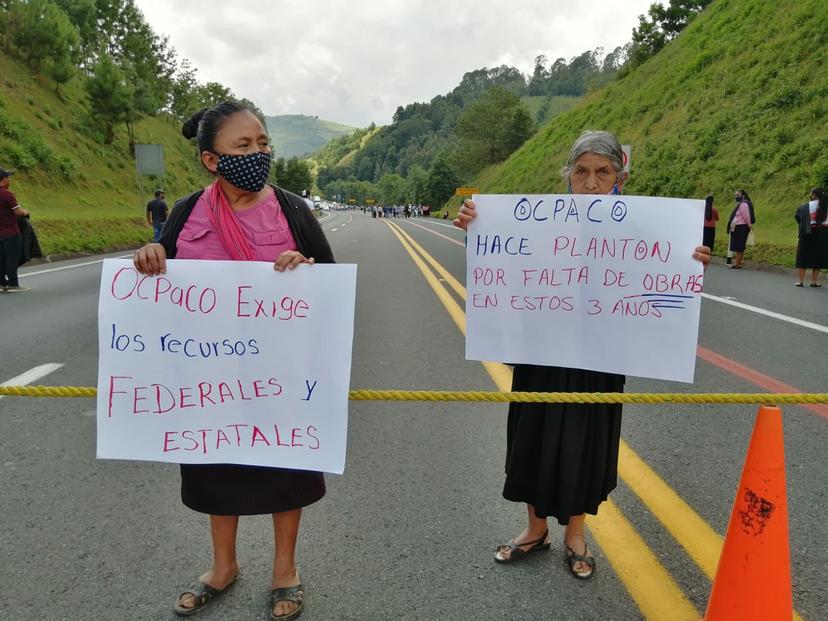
499,397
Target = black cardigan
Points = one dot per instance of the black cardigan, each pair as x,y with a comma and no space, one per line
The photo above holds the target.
303,225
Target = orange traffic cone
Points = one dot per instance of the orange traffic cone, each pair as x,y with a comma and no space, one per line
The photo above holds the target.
753,580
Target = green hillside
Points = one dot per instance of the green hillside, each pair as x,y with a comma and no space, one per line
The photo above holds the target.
83,195
737,100
295,135
544,109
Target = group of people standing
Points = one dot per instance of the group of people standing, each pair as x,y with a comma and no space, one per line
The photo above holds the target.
396,211
739,226
812,220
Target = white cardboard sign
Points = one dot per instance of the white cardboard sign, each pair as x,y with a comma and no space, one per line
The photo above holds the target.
226,362
606,283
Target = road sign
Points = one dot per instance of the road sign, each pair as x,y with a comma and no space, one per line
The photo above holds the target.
370,201
149,159
466,191
627,150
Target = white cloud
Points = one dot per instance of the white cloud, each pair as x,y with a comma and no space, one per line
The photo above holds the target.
355,62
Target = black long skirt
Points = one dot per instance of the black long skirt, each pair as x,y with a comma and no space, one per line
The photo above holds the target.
230,489
562,458
738,238
812,250
709,237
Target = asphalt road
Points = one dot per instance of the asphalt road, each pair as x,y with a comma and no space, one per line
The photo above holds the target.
409,530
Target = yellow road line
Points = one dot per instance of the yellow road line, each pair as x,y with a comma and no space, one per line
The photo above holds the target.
656,593
652,588
688,528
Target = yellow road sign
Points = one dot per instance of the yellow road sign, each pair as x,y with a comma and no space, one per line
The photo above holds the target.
466,191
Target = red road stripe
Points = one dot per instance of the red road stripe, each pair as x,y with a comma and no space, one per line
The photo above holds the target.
755,377
731,366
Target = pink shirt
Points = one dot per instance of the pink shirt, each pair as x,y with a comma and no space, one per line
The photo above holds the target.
264,224
742,215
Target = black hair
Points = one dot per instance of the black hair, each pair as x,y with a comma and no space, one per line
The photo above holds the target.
744,194
822,200
708,207
206,123
158,193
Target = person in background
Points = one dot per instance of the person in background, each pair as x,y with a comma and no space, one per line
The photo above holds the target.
157,211
241,218
812,249
739,225
11,242
711,217
562,459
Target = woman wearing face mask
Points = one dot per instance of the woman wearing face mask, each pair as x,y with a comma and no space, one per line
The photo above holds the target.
239,217
740,224
562,459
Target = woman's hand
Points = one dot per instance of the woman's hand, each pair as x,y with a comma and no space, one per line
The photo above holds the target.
702,253
289,259
151,260
466,214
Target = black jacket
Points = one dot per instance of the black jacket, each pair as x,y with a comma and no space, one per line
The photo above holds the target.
303,225
803,216
30,249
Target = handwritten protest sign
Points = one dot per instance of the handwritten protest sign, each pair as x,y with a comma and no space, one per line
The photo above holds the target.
606,283
226,362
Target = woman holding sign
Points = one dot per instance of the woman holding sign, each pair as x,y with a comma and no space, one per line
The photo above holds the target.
562,459
240,217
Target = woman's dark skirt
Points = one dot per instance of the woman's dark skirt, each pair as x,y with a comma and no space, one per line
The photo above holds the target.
738,238
230,489
812,250
709,236
562,458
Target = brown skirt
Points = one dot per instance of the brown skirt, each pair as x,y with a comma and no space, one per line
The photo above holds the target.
231,489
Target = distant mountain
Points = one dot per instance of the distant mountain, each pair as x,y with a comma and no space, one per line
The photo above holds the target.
297,134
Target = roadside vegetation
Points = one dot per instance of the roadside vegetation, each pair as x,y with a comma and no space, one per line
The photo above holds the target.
736,100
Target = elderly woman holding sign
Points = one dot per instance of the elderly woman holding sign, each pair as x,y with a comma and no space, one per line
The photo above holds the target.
241,218
562,459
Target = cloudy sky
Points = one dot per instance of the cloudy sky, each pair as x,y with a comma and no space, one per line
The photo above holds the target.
355,61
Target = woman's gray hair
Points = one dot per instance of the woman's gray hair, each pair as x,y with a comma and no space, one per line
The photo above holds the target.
600,143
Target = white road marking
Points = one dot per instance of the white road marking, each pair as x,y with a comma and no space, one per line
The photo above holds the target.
761,311
448,226
730,301
68,267
32,375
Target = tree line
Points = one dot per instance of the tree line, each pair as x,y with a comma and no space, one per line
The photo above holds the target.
432,147
127,70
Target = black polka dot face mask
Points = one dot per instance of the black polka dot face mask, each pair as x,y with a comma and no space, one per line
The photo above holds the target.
246,172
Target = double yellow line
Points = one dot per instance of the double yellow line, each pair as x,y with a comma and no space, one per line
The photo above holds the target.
649,583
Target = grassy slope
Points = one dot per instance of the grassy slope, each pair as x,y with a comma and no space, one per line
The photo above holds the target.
102,202
297,134
557,105
740,99
348,157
